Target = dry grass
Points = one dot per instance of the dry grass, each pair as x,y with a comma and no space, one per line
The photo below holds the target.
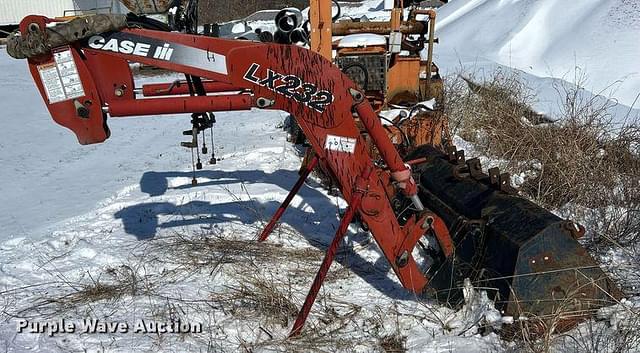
258,285
258,296
394,343
590,337
585,166
208,252
110,287
585,163
596,337
611,329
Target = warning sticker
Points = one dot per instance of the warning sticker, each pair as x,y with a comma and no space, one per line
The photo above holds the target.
60,78
52,84
340,144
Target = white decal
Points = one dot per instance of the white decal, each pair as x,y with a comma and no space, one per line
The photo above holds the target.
153,48
60,78
52,83
292,87
340,144
130,47
164,52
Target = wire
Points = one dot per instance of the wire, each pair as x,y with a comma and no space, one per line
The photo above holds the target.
408,143
415,108
336,16
364,71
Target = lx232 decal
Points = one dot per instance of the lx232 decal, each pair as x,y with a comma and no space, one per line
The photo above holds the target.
292,87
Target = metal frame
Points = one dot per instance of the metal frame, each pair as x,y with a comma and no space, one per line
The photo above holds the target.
263,72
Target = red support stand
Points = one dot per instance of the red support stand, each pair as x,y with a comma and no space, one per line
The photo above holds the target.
354,205
276,217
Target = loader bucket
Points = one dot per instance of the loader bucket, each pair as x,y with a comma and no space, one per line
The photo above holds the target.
528,257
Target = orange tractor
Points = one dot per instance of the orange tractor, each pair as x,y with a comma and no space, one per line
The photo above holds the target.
367,103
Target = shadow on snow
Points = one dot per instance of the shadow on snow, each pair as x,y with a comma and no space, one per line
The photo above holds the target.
317,226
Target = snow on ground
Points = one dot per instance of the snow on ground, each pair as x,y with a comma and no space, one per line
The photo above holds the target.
48,177
76,219
591,42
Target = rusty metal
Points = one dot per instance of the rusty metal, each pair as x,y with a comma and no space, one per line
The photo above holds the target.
403,81
432,39
377,27
577,230
321,28
475,169
529,255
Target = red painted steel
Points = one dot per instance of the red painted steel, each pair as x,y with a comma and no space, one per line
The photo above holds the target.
441,232
114,81
276,217
181,87
88,130
360,190
156,106
399,171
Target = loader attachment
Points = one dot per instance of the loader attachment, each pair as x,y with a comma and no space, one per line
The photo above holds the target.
529,257
472,224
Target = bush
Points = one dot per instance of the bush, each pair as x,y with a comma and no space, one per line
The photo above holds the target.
584,165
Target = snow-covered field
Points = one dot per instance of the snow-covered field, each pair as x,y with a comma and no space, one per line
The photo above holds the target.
100,231
550,38
549,43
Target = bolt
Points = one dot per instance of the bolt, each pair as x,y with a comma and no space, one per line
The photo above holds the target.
357,95
81,110
403,259
574,229
427,223
264,102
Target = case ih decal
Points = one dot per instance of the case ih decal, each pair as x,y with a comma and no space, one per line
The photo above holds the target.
124,46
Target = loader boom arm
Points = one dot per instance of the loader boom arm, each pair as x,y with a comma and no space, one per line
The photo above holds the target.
86,81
